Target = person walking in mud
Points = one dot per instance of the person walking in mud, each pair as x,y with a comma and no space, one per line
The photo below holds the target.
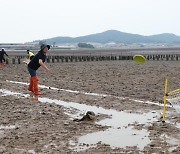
2,59
37,61
30,55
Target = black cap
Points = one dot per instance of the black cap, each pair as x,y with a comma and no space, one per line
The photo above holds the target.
45,45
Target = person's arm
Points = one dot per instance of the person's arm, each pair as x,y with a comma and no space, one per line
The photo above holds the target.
44,66
6,54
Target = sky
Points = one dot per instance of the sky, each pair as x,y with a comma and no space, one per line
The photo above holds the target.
27,20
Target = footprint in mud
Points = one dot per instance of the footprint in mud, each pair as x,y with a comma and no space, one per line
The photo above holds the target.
90,116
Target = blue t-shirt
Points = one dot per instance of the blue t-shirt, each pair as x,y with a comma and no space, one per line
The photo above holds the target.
34,63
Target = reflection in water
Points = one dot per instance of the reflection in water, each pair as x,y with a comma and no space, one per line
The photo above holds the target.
116,138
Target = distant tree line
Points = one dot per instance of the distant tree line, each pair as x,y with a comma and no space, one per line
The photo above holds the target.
85,45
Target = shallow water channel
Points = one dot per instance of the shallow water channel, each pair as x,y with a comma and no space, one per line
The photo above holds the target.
121,132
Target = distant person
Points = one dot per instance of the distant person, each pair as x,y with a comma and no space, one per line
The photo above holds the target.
2,58
37,61
29,57
30,54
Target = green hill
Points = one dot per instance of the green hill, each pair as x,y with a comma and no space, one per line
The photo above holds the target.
117,37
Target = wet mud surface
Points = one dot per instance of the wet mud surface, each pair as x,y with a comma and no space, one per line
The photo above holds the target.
127,92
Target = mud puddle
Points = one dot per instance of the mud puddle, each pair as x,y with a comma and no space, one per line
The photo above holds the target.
122,124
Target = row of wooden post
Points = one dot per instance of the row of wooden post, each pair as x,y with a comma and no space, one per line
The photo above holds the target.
53,59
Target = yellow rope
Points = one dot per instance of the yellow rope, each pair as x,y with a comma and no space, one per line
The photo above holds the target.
171,99
171,92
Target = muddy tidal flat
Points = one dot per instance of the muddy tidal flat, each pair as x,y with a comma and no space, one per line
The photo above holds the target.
126,97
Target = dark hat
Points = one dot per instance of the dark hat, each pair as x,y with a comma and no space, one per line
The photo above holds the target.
45,45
